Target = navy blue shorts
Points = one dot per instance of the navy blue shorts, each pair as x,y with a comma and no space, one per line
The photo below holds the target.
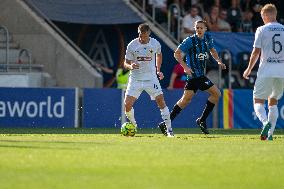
201,83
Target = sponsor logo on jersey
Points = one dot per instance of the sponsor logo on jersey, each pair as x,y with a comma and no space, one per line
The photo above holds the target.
202,56
144,58
274,60
276,29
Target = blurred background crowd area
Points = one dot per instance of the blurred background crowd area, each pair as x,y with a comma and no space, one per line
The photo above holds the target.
220,15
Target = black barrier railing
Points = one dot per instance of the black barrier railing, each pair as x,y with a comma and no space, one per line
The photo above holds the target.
174,16
152,17
226,58
25,52
6,33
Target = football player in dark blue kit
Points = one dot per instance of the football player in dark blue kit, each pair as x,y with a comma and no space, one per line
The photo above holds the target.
196,48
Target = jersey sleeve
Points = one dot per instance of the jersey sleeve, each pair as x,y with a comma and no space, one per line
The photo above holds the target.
129,55
185,45
158,47
257,39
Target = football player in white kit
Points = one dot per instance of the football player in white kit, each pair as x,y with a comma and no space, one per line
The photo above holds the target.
269,42
144,58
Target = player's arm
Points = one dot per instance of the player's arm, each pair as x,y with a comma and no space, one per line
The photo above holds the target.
130,65
159,60
172,80
215,55
253,58
129,62
178,54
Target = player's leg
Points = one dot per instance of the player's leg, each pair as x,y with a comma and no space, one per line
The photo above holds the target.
273,112
206,85
211,102
165,113
132,93
261,92
259,109
182,103
260,112
272,116
129,110
153,88
189,91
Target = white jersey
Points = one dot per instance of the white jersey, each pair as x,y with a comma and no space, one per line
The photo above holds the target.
270,38
145,56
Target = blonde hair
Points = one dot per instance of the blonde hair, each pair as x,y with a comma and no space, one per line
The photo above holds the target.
269,8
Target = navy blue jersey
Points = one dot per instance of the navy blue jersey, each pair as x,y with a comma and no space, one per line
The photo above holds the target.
196,51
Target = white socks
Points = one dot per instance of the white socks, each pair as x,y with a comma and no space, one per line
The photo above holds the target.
272,118
272,115
260,112
130,116
165,113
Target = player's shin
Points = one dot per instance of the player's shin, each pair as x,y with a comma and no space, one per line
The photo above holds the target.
260,112
272,118
130,116
207,110
165,113
176,110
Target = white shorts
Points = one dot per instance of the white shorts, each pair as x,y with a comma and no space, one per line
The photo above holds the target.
136,87
268,87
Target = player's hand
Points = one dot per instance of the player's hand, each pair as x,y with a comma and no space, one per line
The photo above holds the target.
223,66
246,73
134,66
161,75
188,71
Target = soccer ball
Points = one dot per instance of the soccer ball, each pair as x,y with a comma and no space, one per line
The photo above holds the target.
128,129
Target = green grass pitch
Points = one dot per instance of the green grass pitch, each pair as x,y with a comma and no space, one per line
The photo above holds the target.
103,159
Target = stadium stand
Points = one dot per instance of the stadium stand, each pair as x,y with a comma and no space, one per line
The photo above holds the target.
238,16
16,67
122,12
49,47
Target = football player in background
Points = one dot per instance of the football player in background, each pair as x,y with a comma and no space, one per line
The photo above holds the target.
269,43
144,58
196,48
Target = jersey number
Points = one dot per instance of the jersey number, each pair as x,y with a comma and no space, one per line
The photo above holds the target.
156,86
276,45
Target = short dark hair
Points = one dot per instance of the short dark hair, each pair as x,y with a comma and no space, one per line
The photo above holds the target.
144,28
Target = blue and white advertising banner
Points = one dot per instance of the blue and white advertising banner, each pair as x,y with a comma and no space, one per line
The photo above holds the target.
38,107
236,110
103,108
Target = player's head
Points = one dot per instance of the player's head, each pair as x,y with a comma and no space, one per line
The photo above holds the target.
200,27
268,13
144,32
